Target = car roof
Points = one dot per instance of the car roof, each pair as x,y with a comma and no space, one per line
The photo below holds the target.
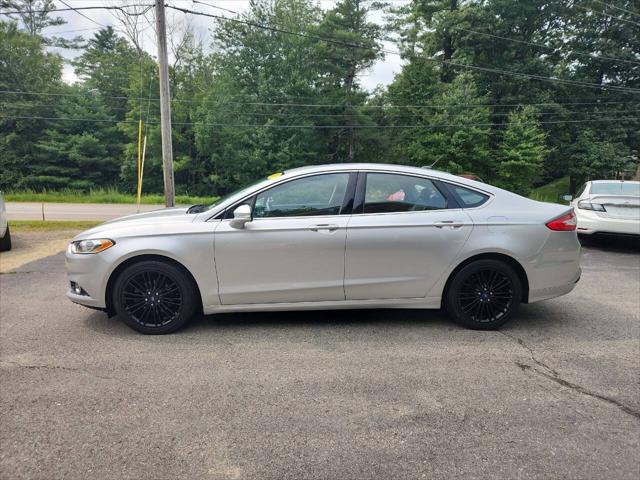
388,167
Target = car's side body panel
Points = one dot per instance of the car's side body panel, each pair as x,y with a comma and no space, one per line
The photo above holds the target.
186,242
401,255
273,260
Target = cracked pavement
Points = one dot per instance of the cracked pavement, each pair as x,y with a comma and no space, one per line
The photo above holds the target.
344,395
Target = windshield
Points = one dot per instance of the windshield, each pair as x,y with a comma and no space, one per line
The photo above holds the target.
615,188
237,192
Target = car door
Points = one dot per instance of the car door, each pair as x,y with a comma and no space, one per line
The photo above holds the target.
293,248
404,232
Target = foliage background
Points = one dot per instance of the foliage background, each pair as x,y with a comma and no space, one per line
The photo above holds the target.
280,88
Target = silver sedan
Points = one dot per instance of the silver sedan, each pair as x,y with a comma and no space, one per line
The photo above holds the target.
331,237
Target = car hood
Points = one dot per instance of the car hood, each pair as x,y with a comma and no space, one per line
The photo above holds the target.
156,217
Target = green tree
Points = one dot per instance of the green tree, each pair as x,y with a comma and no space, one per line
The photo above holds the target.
593,158
26,67
78,154
36,15
521,152
105,67
352,47
260,77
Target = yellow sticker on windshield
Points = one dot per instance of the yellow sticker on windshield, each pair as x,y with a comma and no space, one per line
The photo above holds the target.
273,176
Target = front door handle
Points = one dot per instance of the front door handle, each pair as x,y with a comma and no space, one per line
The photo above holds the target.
448,223
325,227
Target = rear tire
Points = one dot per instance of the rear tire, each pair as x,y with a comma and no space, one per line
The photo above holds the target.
484,295
5,242
154,297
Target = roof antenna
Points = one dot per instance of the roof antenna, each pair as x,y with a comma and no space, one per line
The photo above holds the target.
432,165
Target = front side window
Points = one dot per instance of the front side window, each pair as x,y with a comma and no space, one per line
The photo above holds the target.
388,192
308,196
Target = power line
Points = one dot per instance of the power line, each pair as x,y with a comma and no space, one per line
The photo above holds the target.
82,14
76,9
355,45
334,115
72,31
319,105
574,52
393,52
601,13
611,5
226,125
215,6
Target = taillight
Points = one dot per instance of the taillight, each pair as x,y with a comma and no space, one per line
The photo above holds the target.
587,205
564,223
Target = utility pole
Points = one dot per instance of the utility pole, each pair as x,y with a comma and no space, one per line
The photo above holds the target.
165,107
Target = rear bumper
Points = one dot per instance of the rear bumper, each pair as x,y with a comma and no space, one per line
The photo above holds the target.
554,291
555,269
591,222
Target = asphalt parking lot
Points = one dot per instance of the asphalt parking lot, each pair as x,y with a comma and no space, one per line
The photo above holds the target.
328,395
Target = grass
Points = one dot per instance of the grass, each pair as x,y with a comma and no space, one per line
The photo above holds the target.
38,225
551,191
108,195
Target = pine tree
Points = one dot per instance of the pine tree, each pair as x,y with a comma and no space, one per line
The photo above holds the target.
521,152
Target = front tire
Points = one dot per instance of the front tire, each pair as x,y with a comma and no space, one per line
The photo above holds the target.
5,242
484,295
154,297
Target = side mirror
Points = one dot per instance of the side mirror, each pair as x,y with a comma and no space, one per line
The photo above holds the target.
566,198
241,215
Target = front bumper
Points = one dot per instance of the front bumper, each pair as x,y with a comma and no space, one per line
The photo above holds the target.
91,273
590,222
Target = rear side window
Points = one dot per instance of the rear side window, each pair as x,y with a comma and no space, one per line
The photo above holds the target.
387,192
468,198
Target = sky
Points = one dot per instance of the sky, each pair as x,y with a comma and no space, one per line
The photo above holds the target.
381,73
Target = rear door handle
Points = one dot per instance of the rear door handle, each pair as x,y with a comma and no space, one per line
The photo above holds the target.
448,223
323,227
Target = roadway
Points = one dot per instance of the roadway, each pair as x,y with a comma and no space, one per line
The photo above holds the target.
72,211
323,395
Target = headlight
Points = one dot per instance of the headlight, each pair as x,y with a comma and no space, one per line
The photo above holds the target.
91,246
587,205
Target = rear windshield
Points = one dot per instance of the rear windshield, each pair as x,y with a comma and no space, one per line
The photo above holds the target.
615,188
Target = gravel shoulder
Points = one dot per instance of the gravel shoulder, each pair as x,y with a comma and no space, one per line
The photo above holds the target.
32,245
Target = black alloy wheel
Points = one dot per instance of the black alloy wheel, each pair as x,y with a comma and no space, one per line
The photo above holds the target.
154,297
484,294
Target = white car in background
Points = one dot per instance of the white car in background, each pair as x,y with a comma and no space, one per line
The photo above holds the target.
5,234
608,207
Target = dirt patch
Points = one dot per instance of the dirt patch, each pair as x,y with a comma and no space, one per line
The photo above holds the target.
32,245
